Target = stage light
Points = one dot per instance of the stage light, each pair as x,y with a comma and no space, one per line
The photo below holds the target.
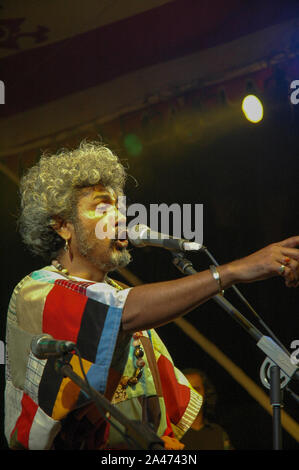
252,108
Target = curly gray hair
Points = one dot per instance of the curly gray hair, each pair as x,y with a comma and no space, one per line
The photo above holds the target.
51,187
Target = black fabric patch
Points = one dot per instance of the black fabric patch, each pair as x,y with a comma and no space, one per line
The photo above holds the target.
91,328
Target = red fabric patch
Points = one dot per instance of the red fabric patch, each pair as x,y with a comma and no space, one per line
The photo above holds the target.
168,431
176,396
63,312
25,420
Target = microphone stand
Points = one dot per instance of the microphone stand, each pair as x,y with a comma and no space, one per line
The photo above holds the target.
136,433
241,296
277,369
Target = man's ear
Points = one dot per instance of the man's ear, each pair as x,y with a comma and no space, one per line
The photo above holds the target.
62,227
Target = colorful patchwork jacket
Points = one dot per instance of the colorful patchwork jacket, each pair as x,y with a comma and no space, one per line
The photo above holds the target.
43,409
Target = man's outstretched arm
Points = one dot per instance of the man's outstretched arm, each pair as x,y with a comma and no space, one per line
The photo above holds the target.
152,305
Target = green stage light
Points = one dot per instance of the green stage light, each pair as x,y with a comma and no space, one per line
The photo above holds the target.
133,144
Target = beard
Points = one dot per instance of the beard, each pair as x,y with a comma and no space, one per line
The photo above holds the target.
88,247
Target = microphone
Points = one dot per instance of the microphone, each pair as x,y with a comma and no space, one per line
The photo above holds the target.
44,346
140,236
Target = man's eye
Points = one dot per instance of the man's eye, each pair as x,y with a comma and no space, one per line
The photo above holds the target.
103,207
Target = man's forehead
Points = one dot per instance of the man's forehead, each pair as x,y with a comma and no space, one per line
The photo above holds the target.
195,379
97,189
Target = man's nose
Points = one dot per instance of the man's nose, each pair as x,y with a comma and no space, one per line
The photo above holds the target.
121,218
121,225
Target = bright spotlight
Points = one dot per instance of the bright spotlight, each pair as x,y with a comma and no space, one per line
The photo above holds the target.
252,108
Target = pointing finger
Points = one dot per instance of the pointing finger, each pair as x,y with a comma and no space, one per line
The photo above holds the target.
291,242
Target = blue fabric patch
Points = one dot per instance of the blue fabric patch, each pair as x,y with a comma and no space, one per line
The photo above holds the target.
98,372
43,275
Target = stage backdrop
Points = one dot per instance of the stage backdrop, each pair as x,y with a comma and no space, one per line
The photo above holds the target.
161,82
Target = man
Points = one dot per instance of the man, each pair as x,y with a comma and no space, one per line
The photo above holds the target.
63,199
205,433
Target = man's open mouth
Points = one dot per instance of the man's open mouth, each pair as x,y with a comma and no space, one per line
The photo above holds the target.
120,244
121,239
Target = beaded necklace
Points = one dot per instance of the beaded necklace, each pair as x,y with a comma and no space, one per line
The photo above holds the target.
138,351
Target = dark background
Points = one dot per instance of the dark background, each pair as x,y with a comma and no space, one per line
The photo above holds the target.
247,178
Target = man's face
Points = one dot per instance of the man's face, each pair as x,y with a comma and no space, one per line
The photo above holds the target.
96,229
196,382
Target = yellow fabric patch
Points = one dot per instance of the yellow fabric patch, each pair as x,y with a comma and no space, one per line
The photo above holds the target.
30,305
69,392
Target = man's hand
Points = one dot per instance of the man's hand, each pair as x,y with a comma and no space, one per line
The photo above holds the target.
156,304
280,258
171,443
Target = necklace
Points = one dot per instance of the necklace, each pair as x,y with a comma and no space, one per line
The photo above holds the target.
64,271
138,351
